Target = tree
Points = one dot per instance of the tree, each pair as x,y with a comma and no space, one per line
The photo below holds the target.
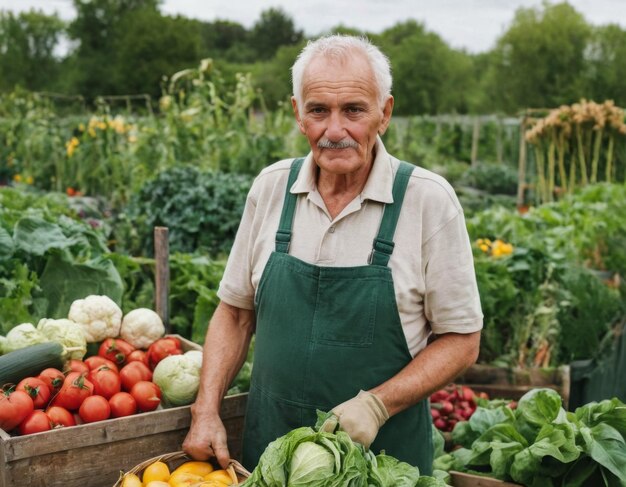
539,61
226,40
95,29
273,77
149,46
274,29
428,76
27,44
606,58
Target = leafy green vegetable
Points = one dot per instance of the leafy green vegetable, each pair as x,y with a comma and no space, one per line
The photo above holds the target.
305,457
541,444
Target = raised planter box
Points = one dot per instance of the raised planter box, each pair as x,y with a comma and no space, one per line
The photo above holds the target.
93,454
513,383
460,479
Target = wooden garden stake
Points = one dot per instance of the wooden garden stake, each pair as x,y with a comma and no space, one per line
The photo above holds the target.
162,274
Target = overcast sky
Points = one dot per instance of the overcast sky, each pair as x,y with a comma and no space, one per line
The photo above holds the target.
471,24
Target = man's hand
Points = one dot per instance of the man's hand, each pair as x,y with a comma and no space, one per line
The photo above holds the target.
207,439
361,417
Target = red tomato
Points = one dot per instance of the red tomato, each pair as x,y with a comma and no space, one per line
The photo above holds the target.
74,391
106,381
147,394
162,348
94,408
138,356
60,417
116,350
134,372
96,361
53,378
35,422
75,365
122,404
15,406
37,389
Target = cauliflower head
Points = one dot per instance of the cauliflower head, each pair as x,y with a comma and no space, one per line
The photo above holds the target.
67,333
141,327
23,335
98,316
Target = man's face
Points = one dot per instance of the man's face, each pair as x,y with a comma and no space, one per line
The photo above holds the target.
340,114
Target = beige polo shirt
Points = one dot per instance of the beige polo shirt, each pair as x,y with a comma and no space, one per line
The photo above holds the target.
432,263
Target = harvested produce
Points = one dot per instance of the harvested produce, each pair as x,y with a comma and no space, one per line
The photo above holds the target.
116,350
15,406
22,336
163,347
452,404
141,327
67,333
310,458
37,390
99,317
539,443
178,376
30,361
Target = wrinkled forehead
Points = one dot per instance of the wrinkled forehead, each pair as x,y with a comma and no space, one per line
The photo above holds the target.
342,64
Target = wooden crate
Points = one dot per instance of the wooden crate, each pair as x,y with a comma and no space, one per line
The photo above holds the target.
460,479
513,383
93,454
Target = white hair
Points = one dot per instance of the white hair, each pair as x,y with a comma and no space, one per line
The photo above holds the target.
342,47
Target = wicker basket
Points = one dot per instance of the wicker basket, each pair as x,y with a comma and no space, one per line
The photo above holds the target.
237,472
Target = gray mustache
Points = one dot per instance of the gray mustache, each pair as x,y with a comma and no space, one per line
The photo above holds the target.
342,144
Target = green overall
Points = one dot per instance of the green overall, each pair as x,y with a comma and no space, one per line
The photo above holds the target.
324,333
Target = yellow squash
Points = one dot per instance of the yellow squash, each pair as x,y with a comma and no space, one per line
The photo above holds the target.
221,476
184,479
156,471
196,468
157,483
131,480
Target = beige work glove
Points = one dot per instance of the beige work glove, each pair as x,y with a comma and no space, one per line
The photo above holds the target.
361,417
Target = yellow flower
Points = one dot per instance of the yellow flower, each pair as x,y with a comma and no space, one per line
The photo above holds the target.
17,178
501,248
81,127
484,247
71,145
29,180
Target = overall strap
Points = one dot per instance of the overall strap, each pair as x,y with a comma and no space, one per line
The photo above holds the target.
383,243
283,234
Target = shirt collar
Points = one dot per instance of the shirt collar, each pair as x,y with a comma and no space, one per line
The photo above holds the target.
378,186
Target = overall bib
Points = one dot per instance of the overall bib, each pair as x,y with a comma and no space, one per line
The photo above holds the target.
324,333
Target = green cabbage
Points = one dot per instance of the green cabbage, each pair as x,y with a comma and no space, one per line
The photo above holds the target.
196,355
178,377
310,462
67,333
22,336
305,457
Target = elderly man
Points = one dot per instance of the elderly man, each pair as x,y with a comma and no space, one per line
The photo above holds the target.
345,263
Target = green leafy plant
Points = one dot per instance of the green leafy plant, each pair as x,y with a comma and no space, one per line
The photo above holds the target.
201,210
539,443
48,259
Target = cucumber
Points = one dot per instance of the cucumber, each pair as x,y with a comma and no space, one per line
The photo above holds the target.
30,361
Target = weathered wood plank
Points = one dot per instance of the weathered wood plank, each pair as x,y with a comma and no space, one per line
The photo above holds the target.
92,454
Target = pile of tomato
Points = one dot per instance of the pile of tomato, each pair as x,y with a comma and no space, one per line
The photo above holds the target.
114,383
